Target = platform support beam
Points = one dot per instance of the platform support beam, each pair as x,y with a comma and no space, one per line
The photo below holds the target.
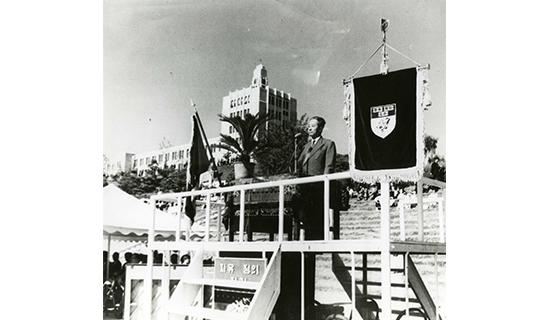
420,208
148,281
385,250
241,217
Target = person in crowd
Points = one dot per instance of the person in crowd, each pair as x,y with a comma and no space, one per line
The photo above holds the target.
157,257
174,259
115,267
185,259
127,260
135,258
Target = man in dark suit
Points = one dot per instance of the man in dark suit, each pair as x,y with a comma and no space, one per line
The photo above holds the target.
318,157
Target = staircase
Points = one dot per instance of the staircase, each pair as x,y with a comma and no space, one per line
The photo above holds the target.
188,296
362,221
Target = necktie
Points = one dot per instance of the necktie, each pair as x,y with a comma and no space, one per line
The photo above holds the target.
308,153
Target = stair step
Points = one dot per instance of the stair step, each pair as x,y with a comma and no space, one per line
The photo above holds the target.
208,313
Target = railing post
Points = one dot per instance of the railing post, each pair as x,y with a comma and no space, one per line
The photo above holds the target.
441,220
148,281
165,287
207,222
281,211
326,208
402,220
127,293
385,250
420,208
188,224
407,284
365,265
241,217
302,289
436,287
219,223
178,227
353,282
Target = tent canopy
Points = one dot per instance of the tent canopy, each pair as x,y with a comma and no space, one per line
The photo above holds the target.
127,218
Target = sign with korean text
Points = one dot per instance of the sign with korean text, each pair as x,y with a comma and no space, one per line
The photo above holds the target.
239,269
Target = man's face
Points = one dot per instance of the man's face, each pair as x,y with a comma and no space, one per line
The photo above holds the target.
314,129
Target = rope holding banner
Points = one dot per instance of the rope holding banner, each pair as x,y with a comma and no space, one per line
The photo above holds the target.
363,64
403,55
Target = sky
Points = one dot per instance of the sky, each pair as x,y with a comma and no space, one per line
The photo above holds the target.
157,55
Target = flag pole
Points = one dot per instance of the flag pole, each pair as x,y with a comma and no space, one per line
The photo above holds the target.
203,134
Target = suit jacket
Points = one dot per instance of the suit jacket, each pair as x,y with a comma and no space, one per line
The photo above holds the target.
321,158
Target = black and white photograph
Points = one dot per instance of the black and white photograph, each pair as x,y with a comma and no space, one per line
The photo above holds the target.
274,160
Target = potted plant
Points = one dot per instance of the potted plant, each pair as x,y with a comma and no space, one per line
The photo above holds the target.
247,145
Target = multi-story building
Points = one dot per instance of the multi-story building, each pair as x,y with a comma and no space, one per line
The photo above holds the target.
176,156
259,97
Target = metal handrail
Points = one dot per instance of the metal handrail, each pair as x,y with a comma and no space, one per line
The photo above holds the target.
280,184
257,185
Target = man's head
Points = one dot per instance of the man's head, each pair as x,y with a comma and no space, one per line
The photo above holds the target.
315,126
115,256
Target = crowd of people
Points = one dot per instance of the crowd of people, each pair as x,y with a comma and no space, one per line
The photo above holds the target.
114,277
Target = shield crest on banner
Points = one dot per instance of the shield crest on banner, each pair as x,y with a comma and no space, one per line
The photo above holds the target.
383,119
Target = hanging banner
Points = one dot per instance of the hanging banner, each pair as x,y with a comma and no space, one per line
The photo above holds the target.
386,125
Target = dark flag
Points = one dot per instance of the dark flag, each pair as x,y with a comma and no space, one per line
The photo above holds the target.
198,163
387,126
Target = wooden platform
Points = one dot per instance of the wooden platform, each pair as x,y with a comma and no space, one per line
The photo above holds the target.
368,246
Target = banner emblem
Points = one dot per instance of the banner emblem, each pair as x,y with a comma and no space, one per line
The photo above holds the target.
382,119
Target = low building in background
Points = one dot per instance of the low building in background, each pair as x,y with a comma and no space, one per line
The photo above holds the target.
172,157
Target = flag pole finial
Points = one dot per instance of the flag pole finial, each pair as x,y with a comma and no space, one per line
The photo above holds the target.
193,105
384,24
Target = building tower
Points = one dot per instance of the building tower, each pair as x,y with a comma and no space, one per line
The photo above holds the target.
259,97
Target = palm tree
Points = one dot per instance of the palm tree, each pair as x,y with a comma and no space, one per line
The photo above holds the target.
247,128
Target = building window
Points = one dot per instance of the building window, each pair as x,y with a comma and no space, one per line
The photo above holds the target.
167,156
271,99
135,164
187,153
174,155
181,154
